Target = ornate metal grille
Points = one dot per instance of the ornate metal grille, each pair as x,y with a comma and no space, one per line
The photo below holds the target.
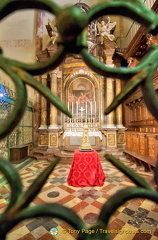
71,25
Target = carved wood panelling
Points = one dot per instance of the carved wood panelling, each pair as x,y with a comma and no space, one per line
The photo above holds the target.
128,140
141,137
152,152
134,142
143,145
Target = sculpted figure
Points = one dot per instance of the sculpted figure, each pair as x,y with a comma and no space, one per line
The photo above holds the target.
104,30
54,31
91,45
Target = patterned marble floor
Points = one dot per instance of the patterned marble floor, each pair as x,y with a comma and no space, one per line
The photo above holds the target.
137,219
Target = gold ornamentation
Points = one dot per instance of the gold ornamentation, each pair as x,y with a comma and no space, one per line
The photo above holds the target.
111,139
120,138
43,139
85,140
53,140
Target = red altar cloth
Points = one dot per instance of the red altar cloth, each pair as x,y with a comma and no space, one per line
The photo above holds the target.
86,169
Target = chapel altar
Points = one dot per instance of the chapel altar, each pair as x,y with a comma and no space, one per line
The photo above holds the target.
85,93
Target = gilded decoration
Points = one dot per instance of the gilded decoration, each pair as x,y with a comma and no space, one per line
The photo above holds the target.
53,140
43,139
85,143
120,138
111,139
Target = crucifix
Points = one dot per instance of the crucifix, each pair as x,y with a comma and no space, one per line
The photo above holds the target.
81,110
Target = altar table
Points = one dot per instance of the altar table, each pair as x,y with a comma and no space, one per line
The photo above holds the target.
86,169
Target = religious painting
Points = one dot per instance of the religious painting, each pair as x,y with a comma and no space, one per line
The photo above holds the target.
81,98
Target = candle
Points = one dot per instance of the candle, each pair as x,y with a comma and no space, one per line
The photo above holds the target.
86,111
77,109
72,107
91,109
70,124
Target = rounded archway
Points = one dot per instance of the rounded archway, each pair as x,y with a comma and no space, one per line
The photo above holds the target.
81,96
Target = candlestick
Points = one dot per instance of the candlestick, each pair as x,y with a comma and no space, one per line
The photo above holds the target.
72,107
86,111
77,109
95,108
91,109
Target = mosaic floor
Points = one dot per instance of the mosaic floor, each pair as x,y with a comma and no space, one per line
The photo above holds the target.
137,219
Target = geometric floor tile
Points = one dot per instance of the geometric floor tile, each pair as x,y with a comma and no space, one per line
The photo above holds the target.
136,219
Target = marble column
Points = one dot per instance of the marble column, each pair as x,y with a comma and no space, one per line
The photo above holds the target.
53,109
37,115
43,106
59,79
109,95
119,108
120,135
110,128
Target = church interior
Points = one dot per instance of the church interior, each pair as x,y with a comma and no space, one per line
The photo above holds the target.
77,128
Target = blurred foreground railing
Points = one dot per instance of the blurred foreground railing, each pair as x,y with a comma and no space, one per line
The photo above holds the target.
71,24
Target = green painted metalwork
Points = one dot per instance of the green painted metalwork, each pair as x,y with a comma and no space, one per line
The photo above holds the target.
71,25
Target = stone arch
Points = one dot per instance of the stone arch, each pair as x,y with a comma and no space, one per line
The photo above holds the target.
82,76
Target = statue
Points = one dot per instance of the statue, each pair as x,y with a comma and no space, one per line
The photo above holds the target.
104,30
85,146
92,33
54,32
91,45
